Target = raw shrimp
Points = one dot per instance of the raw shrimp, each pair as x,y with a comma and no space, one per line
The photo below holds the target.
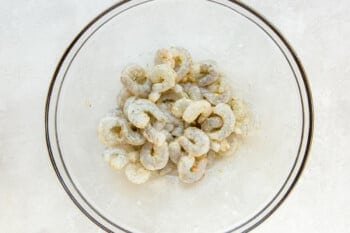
138,111
109,131
116,157
135,80
228,118
191,170
207,75
195,142
178,58
163,78
176,117
154,157
136,173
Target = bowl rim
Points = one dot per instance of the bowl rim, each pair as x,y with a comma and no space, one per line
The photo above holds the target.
309,130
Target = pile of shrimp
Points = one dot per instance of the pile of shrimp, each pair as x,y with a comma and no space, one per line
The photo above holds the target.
175,118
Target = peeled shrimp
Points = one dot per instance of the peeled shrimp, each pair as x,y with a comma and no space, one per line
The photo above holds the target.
154,157
191,170
229,120
163,78
135,80
195,142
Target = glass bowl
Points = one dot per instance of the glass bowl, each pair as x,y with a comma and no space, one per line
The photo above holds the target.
238,192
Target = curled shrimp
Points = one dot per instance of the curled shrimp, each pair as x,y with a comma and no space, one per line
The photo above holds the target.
136,173
163,78
206,75
135,80
154,157
109,131
154,132
116,157
132,135
195,142
129,133
110,153
113,130
139,110
196,108
164,56
191,170
229,120
178,58
183,62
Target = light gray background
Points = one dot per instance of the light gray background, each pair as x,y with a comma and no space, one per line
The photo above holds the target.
33,36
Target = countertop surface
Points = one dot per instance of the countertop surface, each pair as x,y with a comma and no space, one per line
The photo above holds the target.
33,36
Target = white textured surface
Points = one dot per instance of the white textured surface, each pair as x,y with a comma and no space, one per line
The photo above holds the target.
34,34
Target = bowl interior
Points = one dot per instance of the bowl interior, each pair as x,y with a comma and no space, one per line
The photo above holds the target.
236,188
